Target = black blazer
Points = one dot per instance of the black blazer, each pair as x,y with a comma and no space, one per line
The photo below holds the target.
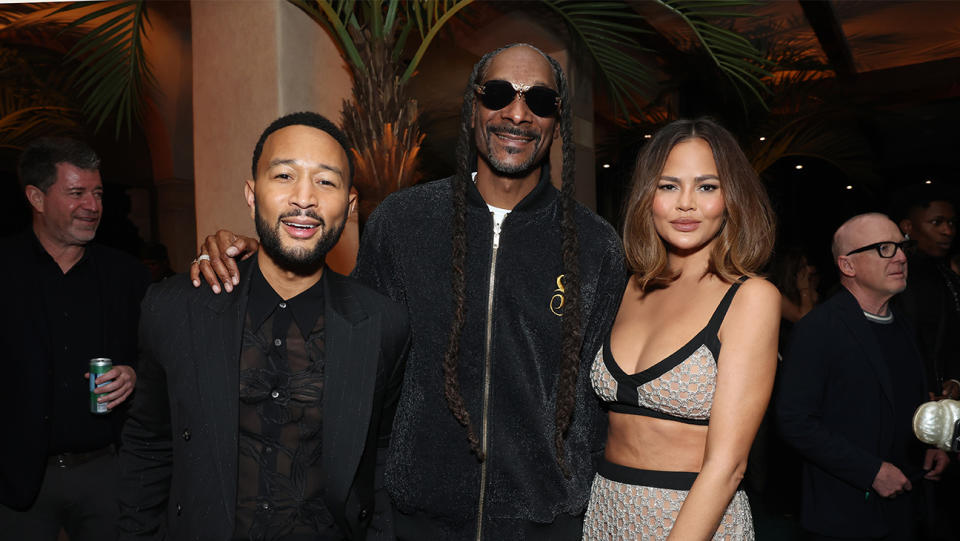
26,359
179,455
835,406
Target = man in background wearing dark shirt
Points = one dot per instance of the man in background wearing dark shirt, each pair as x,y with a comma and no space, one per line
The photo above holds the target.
931,307
66,301
931,302
851,380
261,415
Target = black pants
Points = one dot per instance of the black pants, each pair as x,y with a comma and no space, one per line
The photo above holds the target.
902,515
81,499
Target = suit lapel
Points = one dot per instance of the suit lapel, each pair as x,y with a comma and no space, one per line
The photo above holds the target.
352,346
852,316
216,347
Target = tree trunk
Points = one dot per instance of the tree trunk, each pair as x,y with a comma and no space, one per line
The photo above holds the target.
382,125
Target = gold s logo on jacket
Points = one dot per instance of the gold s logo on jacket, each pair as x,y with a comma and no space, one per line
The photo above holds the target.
556,301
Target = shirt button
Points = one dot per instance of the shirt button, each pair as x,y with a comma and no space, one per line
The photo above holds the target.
268,449
283,305
265,506
277,342
275,393
186,434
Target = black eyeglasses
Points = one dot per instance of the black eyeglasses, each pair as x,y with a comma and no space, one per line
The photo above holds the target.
496,94
886,249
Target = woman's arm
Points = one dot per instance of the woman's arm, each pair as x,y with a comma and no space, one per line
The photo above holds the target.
746,368
793,312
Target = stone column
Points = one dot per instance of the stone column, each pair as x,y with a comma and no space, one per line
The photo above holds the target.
254,61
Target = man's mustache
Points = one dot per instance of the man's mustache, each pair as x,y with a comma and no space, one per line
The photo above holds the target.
306,213
513,130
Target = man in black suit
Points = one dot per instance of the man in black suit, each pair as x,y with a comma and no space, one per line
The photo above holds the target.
852,378
66,300
260,415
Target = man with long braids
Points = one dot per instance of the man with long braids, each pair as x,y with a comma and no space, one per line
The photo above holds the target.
508,284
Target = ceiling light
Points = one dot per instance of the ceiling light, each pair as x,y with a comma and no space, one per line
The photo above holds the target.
928,182
798,166
606,166
647,136
849,187
763,139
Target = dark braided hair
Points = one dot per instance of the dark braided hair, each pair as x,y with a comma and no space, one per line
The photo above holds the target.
572,331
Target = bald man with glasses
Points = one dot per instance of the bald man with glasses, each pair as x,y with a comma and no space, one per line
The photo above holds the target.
851,380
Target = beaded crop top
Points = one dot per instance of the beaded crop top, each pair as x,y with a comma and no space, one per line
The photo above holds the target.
678,388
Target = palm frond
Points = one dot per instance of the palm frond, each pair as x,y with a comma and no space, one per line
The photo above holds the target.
607,32
731,52
17,127
113,74
823,134
429,16
336,16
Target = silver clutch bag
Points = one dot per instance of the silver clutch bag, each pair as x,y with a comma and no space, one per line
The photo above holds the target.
938,423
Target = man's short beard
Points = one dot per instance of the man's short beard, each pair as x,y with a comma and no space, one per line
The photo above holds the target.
297,260
512,170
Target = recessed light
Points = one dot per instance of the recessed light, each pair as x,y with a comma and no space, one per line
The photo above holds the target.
849,187
763,139
798,166
606,166
928,182
647,136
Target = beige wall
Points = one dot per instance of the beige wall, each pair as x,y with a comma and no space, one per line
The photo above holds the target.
253,61
168,125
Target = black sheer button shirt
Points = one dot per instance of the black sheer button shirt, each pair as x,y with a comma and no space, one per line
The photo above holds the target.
279,484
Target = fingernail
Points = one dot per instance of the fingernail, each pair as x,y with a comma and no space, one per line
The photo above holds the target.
227,287
196,283
232,251
216,289
236,279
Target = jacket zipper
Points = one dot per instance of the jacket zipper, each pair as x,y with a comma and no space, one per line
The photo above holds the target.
486,376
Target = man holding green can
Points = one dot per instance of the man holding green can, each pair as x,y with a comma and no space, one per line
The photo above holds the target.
67,301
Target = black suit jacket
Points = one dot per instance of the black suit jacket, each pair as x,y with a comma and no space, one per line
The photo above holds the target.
27,361
835,406
179,458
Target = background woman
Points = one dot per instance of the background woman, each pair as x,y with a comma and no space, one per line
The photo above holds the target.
683,413
797,279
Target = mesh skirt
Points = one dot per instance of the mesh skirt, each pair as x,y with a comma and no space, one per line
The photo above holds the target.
631,504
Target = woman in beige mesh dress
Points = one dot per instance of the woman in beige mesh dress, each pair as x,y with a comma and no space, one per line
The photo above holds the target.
683,411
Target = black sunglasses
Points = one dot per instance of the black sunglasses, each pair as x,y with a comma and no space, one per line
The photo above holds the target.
496,94
887,249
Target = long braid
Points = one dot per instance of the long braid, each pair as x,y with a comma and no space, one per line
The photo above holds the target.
466,160
572,331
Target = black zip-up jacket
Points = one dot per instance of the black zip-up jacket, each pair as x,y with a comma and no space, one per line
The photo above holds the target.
434,479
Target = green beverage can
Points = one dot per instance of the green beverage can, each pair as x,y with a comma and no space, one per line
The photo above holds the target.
98,367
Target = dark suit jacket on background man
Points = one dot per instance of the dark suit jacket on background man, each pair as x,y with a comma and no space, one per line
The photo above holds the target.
27,400
836,408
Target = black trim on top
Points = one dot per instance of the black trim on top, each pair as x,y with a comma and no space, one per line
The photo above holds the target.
620,407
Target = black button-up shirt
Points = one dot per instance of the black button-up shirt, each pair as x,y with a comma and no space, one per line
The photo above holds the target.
279,487
72,309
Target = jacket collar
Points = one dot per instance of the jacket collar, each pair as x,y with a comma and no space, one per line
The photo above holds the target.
542,194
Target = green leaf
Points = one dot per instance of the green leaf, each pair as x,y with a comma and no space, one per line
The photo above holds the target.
736,57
